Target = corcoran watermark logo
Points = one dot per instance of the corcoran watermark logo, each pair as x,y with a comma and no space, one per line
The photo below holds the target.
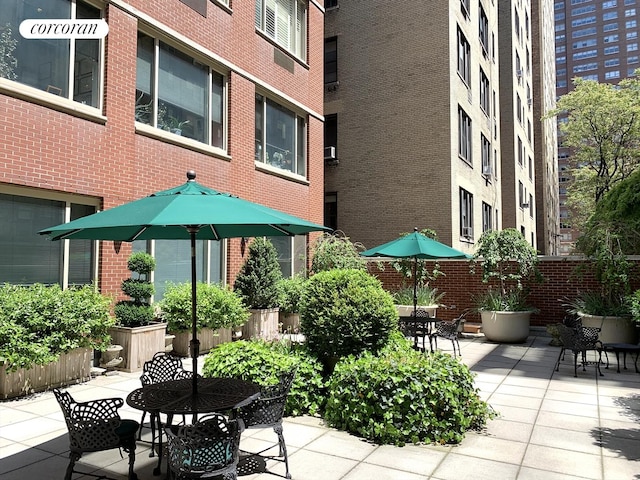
78,29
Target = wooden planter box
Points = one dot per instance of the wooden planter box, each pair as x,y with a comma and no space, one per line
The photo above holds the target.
289,322
208,337
139,344
71,367
262,323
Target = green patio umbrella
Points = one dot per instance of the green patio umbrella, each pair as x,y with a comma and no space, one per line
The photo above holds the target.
417,246
188,212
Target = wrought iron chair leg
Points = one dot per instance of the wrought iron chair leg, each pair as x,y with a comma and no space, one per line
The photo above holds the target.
144,414
575,364
73,458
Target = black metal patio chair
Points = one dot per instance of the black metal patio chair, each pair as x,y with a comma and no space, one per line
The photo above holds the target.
579,340
448,331
96,426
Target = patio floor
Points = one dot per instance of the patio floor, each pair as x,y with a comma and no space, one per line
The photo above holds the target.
550,426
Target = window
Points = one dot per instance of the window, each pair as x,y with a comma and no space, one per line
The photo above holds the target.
585,68
631,24
178,94
612,62
486,155
331,210
583,21
483,29
592,42
466,214
285,22
632,47
520,194
280,137
612,74
520,151
330,60
464,7
584,32
561,84
519,108
464,58
632,59
610,38
331,136
611,50
173,262
484,92
464,135
66,68
609,16
487,223
582,10
585,54
291,254
631,12
26,257
330,4
609,4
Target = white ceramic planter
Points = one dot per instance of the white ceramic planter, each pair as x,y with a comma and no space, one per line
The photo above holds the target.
614,329
506,327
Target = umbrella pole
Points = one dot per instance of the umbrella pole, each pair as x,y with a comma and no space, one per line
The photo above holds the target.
415,286
195,343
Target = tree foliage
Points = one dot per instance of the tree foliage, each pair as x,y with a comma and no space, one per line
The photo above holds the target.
603,132
335,250
258,279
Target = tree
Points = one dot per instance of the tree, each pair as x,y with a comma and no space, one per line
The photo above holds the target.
603,131
257,281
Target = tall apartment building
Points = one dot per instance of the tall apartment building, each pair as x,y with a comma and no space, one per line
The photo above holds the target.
412,131
547,202
230,89
596,40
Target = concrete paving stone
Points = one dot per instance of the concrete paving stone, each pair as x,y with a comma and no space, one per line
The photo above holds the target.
569,408
520,391
21,431
623,428
567,383
40,467
341,444
410,458
619,446
621,469
457,467
499,399
310,465
527,473
506,430
491,448
585,442
568,422
573,397
516,414
365,471
563,461
524,381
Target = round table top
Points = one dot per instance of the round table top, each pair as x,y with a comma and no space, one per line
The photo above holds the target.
175,396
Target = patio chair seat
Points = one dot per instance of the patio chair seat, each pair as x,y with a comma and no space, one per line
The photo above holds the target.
579,340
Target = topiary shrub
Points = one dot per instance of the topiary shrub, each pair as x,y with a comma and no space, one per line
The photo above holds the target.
345,312
402,396
257,281
38,323
261,362
138,311
216,307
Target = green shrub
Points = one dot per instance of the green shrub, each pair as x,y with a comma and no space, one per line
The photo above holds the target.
38,323
344,312
633,301
216,307
131,314
335,250
257,281
261,362
141,263
402,396
290,293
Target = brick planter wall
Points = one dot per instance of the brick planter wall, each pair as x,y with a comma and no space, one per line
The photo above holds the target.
560,283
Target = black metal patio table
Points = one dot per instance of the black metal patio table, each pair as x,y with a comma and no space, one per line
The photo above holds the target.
419,329
175,397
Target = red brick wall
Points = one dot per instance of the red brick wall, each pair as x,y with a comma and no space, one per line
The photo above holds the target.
560,283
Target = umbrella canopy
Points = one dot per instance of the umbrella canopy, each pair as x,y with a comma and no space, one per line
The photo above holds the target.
187,212
416,246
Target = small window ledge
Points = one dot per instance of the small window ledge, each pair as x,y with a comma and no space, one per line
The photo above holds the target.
168,137
279,172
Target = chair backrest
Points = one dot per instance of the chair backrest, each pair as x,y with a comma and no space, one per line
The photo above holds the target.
420,312
210,445
162,368
579,339
449,329
91,425
268,409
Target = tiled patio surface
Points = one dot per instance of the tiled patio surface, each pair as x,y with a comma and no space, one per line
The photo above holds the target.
550,426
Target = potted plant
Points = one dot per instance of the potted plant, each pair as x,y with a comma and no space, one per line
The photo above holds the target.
136,329
507,260
607,307
257,285
291,290
218,310
428,299
48,335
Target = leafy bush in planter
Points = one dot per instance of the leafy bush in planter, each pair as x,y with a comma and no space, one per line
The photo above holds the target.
137,312
217,307
290,293
403,396
344,312
261,362
257,281
335,250
425,295
38,323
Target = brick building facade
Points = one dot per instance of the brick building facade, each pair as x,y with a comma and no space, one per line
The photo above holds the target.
91,124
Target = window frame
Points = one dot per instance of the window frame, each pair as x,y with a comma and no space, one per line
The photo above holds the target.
299,20
466,215
465,136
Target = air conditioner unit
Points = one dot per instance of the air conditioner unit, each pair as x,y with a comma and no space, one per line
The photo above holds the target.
524,205
329,153
467,232
519,73
487,171
529,101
